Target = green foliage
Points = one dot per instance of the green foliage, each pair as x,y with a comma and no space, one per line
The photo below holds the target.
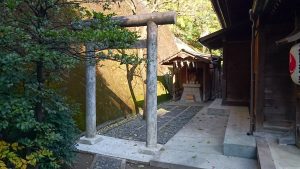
195,18
38,49
14,156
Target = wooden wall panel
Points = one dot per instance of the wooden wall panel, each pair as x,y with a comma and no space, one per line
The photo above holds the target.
237,73
279,100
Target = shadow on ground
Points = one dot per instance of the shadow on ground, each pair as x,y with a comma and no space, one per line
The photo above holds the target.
169,121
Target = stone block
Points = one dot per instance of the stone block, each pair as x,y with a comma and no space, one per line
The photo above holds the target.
236,142
90,141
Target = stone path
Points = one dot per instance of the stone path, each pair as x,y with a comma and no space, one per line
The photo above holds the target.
197,141
171,118
105,162
199,144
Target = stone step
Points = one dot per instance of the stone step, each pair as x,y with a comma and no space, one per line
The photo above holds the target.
194,160
264,155
282,125
237,142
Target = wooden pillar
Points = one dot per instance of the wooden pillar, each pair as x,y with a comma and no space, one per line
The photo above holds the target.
204,82
186,74
174,81
90,91
298,117
151,98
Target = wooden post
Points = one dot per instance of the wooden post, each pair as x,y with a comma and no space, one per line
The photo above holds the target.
151,98
298,116
174,81
90,91
186,74
204,82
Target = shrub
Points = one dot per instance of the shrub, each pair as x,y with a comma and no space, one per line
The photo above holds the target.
38,49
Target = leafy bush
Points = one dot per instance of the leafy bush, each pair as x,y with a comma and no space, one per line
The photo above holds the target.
38,49
10,158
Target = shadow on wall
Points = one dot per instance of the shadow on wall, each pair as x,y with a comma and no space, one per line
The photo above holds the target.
163,96
109,105
160,99
166,81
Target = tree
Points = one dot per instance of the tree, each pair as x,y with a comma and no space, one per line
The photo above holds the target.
38,49
196,18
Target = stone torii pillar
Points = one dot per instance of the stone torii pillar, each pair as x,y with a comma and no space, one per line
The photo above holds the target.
151,87
151,21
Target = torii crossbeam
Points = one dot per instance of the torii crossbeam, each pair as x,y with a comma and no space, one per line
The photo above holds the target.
152,21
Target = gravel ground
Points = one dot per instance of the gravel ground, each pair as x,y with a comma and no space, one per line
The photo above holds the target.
170,120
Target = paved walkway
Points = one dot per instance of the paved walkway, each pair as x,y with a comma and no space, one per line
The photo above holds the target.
199,144
191,141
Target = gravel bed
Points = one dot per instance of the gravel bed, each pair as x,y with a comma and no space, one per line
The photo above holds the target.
168,124
176,111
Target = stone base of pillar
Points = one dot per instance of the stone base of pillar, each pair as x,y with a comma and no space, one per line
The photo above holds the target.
90,141
150,150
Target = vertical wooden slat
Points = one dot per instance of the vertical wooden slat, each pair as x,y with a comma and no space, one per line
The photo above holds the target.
204,82
298,117
259,93
174,81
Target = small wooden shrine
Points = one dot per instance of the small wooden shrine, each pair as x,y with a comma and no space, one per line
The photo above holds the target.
192,80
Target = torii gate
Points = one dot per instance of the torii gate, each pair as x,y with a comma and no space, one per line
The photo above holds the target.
151,21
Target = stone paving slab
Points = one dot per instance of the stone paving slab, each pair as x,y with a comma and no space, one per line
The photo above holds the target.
236,141
284,156
105,162
199,144
120,148
195,160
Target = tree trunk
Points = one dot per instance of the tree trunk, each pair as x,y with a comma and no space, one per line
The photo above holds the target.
130,74
39,113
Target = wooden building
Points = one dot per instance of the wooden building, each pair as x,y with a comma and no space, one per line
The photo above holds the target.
189,71
235,40
256,60
195,75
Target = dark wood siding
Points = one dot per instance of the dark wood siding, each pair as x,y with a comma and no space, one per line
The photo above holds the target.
236,73
275,91
278,89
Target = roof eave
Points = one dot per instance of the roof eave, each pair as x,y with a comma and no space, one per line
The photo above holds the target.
213,40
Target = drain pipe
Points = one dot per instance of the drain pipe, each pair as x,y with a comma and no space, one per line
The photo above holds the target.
252,115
